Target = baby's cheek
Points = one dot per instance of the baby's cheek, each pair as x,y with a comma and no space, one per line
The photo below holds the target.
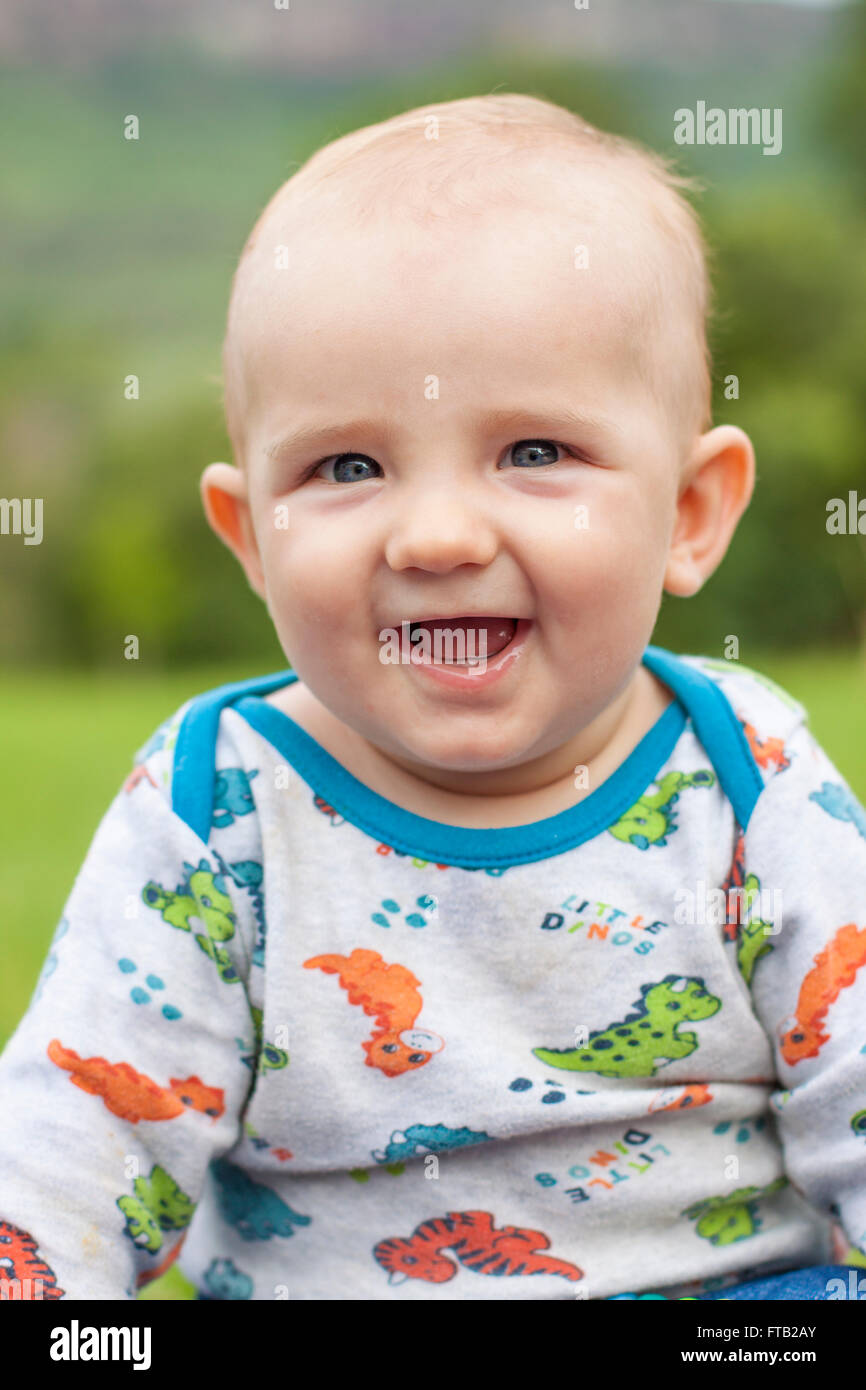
307,585
603,568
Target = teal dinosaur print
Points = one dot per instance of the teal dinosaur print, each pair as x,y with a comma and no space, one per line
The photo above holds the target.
232,795
839,801
202,895
733,1216
633,1046
271,1058
426,1139
155,742
254,1210
158,1205
651,820
223,1280
248,874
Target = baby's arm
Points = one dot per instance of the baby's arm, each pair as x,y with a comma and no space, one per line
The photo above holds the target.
807,839
131,1069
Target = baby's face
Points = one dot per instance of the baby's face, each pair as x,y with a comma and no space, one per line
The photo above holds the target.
448,423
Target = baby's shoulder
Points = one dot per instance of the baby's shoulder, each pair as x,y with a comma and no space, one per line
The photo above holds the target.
763,707
200,750
771,726
154,759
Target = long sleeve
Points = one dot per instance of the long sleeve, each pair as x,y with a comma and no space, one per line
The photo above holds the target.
131,1069
805,851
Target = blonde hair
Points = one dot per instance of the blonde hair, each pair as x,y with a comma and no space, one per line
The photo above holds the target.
484,134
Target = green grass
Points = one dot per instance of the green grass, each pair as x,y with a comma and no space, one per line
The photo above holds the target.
67,742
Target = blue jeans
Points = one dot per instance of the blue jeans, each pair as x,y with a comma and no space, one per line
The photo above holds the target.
817,1282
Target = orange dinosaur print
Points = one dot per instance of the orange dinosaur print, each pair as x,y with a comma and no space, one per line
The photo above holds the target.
321,805
389,994
736,879
681,1098
146,1276
130,1094
137,775
22,1266
472,1239
771,750
835,967
419,863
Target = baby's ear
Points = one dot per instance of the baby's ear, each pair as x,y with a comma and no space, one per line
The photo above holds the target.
227,508
714,492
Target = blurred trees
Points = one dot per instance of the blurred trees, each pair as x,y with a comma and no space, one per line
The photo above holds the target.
125,259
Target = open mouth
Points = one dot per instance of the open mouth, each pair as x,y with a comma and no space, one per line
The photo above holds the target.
463,641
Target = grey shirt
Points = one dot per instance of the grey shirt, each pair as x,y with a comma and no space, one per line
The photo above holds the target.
315,1046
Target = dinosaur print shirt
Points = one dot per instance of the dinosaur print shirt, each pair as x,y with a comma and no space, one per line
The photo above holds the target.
310,1045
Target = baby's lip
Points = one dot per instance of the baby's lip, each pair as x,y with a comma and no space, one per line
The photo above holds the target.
462,615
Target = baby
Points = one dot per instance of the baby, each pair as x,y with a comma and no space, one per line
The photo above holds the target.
489,952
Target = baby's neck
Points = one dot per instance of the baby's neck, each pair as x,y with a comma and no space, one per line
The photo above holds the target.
509,796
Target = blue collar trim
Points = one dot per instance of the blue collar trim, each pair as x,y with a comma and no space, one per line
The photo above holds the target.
493,849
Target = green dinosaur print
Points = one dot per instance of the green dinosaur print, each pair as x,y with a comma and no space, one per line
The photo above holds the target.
752,941
221,959
631,1047
651,819
271,1058
202,895
158,1205
733,1216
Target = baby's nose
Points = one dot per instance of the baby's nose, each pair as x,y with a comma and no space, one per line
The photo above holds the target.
439,532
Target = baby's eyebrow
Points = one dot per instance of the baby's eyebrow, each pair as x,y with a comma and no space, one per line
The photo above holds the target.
308,438
546,417
533,419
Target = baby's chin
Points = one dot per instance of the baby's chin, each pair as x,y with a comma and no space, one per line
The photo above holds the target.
460,747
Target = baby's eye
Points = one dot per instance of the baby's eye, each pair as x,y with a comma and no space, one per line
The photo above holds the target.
531,453
348,468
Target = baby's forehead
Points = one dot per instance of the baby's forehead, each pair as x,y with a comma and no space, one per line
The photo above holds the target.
591,241
462,170
578,236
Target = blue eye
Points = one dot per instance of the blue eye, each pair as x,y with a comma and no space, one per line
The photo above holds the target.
351,467
348,467
530,453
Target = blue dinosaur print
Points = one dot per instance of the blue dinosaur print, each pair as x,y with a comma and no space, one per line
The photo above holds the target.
224,1280
255,1211
841,803
155,742
248,873
232,795
50,965
426,1139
